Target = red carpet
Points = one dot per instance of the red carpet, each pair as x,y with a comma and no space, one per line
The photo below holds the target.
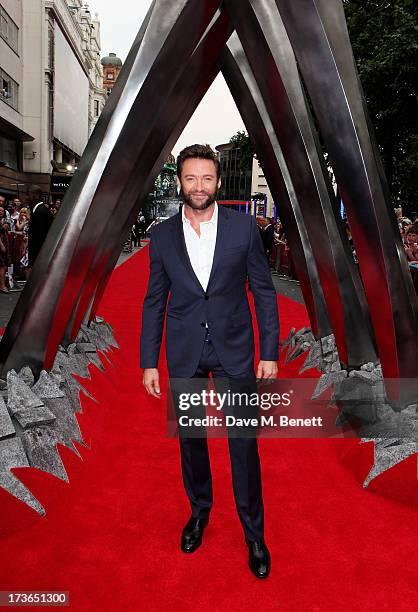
111,537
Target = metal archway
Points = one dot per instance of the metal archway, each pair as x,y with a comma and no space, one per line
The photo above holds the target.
180,48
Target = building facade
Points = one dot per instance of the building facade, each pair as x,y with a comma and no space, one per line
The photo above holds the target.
235,180
52,89
112,65
259,187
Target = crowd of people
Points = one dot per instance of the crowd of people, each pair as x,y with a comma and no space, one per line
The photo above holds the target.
276,247
409,234
24,226
279,257
137,231
23,229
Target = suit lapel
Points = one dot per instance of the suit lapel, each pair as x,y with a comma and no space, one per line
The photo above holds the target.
181,248
222,234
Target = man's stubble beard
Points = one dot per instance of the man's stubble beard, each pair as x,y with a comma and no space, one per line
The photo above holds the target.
211,198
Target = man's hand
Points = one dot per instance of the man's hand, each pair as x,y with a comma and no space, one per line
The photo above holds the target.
266,369
151,382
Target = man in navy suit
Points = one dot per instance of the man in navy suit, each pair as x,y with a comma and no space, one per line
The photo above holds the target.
201,258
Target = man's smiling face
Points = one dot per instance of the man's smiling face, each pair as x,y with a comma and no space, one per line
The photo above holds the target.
199,182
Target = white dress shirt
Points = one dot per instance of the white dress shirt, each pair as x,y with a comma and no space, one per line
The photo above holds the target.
201,248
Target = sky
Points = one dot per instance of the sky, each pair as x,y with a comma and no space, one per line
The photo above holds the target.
216,119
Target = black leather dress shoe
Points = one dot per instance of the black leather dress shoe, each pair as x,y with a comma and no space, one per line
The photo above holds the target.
191,538
259,558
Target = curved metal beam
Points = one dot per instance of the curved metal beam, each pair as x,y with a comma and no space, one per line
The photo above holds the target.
319,36
172,30
196,78
244,89
270,55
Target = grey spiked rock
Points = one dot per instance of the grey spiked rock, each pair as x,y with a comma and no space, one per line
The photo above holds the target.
40,415
13,455
26,374
102,334
72,389
81,336
95,359
95,337
107,332
19,394
369,376
46,387
24,405
6,426
361,393
294,353
392,426
328,344
331,366
297,343
288,340
313,359
29,417
75,363
327,380
388,455
57,376
41,450
72,348
86,347
65,425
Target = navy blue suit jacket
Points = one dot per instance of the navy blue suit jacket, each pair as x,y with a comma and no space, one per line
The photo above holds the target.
224,305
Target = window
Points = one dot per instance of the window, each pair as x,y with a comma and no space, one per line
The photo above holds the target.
9,152
96,108
8,90
110,76
9,30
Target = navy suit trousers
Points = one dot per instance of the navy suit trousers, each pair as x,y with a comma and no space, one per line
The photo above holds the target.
243,450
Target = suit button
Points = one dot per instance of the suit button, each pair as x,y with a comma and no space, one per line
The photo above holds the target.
206,297
203,324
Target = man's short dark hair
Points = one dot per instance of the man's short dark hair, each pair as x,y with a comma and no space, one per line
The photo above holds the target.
198,151
412,230
34,190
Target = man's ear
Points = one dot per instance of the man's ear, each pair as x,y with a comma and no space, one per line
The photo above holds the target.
178,184
219,183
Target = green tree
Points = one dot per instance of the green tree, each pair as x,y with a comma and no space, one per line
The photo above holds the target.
242,141
384,36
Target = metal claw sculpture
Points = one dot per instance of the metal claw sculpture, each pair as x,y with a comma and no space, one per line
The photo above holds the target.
280,50
275,71
318,33
246,94
107,173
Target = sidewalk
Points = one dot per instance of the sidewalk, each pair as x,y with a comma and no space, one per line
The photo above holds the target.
8,301
288,287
